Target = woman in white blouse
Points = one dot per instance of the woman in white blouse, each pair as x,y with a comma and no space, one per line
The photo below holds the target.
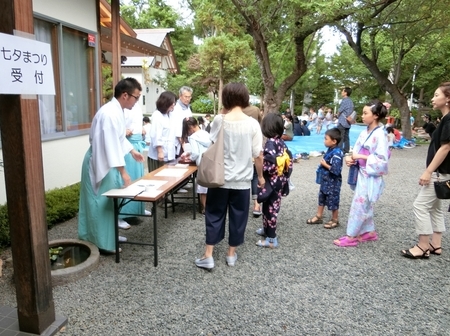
242,141
162,134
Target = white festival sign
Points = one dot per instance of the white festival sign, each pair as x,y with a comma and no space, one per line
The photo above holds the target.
25,66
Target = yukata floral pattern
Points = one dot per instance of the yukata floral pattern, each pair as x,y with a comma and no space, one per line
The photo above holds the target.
330,186
274,148
370,183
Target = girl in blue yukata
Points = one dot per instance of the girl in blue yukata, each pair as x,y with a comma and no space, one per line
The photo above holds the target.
277,169
330,179
371,153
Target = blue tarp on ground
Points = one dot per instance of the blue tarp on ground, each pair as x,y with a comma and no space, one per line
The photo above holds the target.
314,142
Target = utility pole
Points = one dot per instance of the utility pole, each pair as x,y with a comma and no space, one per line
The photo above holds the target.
412,88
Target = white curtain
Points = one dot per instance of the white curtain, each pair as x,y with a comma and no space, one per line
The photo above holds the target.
47,106
76,77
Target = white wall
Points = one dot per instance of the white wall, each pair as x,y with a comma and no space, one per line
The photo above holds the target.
81,13
154,90
62,160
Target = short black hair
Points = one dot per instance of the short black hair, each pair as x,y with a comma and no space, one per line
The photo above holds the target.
146,119
235,94
334,134
348,90
304,122
272,125
127,85
165,101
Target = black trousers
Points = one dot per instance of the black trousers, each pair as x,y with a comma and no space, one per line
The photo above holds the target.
344,144
218,201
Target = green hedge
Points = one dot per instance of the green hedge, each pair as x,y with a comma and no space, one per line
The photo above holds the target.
202,105
61,205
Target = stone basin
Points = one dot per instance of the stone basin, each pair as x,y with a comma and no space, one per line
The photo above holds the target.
77,260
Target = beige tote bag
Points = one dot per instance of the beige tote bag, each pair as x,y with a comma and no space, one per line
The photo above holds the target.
211,171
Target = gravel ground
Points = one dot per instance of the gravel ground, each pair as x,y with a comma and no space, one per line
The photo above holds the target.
307,286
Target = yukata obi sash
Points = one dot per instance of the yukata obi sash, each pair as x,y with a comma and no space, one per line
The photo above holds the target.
283,163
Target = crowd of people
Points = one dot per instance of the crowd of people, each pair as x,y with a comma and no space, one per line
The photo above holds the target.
255,170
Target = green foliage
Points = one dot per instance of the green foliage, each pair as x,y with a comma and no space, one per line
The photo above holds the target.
107,82
61,205
144,14
202,105
394,112
4,227
54,253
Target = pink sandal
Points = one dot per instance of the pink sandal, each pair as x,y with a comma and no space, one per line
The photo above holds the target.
368,236
346,241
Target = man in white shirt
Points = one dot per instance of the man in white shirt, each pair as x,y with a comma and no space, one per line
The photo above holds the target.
104,166
181,110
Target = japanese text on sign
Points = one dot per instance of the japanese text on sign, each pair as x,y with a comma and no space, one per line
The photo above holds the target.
25,66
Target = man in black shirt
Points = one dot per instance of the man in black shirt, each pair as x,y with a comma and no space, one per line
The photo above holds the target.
428,127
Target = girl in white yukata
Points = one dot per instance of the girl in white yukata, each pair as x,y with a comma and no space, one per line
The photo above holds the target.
199,142
371,153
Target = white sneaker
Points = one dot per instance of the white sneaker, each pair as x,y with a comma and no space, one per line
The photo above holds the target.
122,239
123,225
188,186
291,185
148,213
182,191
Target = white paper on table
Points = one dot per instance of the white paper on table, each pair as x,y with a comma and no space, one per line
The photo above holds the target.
153,184
181,165
128,192
172,172
151,194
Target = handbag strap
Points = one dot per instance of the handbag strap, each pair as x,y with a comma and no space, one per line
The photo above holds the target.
369,135
220,134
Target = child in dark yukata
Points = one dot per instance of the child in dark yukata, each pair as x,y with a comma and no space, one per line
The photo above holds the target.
330,179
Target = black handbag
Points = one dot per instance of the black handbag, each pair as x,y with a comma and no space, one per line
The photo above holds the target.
352,178
442,189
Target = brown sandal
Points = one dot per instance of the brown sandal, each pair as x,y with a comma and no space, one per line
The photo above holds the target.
315,220
331,224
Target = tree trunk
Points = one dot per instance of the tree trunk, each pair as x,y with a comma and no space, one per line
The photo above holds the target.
399,99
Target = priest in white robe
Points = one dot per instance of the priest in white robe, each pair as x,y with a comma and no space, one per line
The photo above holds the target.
104,166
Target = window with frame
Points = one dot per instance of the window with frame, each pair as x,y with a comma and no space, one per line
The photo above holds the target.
73,107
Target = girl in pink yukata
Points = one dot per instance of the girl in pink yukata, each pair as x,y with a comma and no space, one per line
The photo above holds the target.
277,169
371,153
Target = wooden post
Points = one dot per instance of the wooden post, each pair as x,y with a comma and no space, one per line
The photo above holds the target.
24,179
116,43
